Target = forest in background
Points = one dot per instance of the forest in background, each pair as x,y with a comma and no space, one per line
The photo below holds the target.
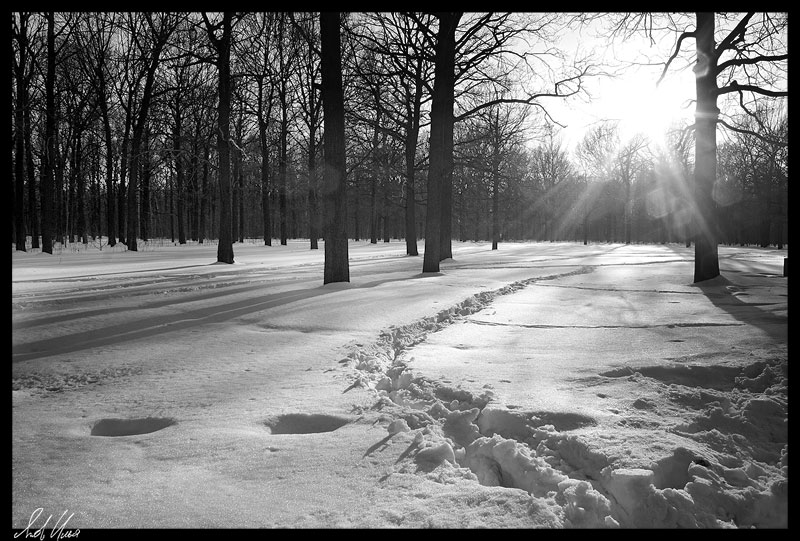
103,102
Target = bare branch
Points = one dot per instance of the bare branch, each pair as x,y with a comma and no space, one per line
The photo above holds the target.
675,53
748,61
736,87
737,34
531,99
757,135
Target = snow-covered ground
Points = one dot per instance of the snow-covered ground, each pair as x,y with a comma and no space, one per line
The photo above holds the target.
539,385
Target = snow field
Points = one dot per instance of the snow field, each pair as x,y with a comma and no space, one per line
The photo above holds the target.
611,394
459,435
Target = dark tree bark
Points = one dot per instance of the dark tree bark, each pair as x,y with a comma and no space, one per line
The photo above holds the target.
284,131
194,189
236,167
177,156
376,171
263,114
334,179
240,184
495,196
48,169
32,199
313,206
110,201
441,146
145,175
202,233
265,208
410,144
122,192
223,48
80,195
706,258
19,131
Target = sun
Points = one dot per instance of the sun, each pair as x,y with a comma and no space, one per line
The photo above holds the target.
642,107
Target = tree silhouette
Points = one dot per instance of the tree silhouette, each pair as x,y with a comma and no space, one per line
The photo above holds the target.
222,46
334,177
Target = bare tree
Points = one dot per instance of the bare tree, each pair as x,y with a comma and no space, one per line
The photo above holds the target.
222,46
96,61
159,29
628,162
49,161
397,67
334,177
481,37
440,168
257,57
22,69
307,71
550,168
746,47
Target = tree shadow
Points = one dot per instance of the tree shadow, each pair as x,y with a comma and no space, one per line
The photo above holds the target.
722,293
156,325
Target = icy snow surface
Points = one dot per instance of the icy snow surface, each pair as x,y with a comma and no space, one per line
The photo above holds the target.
542,385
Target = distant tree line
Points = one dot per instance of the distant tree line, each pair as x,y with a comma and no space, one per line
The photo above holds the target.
192,126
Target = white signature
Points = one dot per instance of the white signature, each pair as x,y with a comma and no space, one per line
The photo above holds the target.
56,532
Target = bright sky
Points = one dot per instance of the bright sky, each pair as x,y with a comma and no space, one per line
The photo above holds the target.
631,97
635,101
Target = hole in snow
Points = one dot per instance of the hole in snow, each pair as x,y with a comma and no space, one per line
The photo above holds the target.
130,427
304,423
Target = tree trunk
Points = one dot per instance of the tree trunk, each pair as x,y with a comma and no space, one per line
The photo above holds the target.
240,184
373,208
122,194
110,201
32,203
19,140
412,134
180,189
202,233
82,225
225,246
262,127
236,165
146,176
441,140
627,211
132,230
313,210
71,204
706,259
495,197
138,147
192,211
357,209
334,180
